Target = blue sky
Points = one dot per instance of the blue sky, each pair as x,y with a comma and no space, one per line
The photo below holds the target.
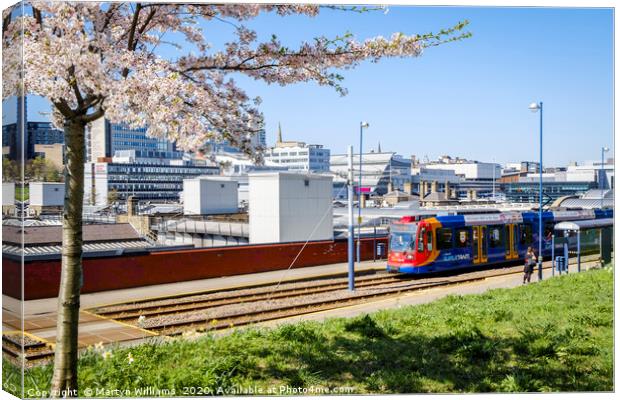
465,99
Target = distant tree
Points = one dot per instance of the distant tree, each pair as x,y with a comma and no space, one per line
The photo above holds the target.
52,174
95,59
10,170
112,196
40,169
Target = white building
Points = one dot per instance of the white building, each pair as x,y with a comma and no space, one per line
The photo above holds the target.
378,170
8,197
299,156
237,163
290,207
470,169
47,194
591,172
210,195
423,174
8,193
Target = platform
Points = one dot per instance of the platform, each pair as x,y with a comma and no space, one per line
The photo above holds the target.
40,315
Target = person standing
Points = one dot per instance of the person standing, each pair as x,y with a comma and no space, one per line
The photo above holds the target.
530,262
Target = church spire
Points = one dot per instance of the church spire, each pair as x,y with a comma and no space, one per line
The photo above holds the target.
379,148
279,133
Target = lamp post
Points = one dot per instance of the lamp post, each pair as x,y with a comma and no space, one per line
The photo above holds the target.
493,179
602,174
359,194
350,203
534,107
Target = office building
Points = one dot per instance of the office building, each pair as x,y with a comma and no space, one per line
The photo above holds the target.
527,191
379,171
14,142
116,180
105,139
298,156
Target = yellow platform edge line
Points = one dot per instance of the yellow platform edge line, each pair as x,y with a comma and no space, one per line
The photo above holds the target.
30,335
121,323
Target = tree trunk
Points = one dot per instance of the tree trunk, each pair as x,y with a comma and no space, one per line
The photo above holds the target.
64,381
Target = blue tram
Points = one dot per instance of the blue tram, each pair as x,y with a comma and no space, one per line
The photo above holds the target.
445,243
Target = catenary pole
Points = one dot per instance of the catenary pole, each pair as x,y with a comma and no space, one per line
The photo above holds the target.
350,203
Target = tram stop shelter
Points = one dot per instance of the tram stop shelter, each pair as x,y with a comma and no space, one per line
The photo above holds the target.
569,235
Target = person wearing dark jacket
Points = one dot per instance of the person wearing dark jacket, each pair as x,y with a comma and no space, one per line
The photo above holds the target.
530,262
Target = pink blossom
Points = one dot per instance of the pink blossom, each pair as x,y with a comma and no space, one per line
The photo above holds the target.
92,59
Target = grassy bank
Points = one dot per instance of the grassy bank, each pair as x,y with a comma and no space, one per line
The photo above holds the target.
552,336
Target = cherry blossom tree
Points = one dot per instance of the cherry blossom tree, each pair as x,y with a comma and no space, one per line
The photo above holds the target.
94,60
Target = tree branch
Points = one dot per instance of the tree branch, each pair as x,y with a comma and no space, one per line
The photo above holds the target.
62,106
98,113
76,90
132,33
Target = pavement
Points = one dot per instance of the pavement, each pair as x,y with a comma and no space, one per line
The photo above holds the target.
39,319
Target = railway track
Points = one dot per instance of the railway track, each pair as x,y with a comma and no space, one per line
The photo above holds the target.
35,351
166,305
169,319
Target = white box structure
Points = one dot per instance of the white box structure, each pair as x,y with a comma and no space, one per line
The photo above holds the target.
47,194
8,193
290,207
212,195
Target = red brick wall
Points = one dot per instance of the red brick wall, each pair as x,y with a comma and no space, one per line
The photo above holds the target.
42,278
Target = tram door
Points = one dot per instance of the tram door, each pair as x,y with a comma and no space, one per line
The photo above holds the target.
479,244
511,242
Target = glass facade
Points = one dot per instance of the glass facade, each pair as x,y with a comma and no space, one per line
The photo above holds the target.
527,192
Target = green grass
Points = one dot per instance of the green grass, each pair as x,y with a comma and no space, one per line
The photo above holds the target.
551,336
22,193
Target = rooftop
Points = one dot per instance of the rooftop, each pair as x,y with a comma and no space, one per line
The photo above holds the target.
52,235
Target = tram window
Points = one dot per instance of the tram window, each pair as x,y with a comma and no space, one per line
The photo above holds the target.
525,237
421,240
462,238
444,238
429,240
496,237
548,230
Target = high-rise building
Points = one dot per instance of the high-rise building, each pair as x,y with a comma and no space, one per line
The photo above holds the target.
105,139
36,133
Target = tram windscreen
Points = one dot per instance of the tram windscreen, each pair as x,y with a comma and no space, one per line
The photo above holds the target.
402,241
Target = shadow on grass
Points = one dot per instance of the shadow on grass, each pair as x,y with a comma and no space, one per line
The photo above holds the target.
537,359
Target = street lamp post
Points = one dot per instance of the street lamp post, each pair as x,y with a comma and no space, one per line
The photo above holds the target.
534,107
601,178
493,179
350,201
359,195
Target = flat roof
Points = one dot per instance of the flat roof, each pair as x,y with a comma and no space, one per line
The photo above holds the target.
51,235
584,224
290,173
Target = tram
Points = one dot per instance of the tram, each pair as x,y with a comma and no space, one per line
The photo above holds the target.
452,242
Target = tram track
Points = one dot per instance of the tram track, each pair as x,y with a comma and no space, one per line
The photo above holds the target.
171,322
172,304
